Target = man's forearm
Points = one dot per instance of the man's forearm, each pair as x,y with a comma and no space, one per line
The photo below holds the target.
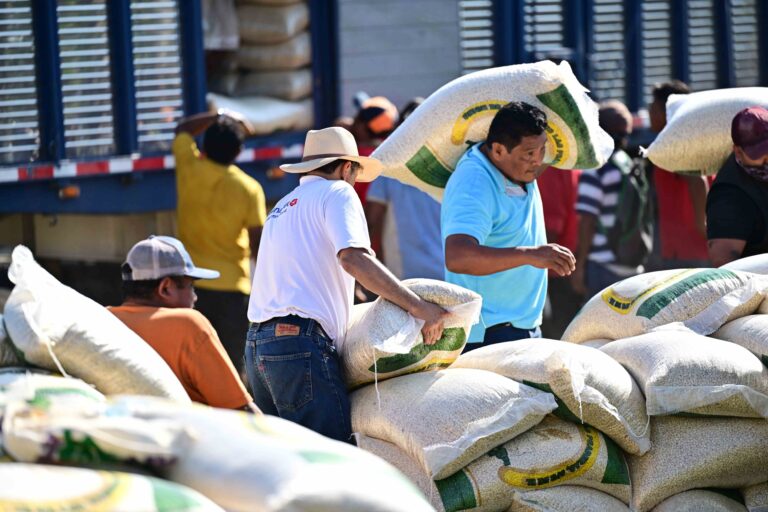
587,228
481,260
374,276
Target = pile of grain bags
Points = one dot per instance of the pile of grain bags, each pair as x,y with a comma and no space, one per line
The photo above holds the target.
52,326
271,81
697,136
425,149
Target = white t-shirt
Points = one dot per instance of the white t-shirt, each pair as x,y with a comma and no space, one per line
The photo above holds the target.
297,269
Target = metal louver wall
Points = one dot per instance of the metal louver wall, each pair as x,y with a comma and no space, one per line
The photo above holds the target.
85,78
157,68
702,43
656,45
476,35
607,60
746,61
543,29
19,131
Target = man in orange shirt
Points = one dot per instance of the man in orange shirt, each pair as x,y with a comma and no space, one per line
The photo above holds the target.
158,278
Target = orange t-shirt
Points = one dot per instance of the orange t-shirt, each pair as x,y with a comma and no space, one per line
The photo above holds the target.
187,341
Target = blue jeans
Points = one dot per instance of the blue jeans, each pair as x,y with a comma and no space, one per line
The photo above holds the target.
500,333
293,371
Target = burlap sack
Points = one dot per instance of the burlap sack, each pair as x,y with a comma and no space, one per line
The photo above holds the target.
553,453
57,328
750,332
425,149
590,387
703,299
262,24
695,453
448,418
384,341
680,371
33,487
698,501
267,115
290,85
697,136
567,498
756,497
292,54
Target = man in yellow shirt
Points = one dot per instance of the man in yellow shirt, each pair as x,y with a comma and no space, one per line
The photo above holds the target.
220,211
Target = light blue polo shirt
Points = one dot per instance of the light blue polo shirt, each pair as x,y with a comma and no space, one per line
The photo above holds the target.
481,202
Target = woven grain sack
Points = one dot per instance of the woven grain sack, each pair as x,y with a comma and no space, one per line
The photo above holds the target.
598,343
384,341
32,487
750,332
240,461
448,418
553,453
695,453
699,501
290,85
756,497
37,388
262,24
567,498
680,371
757,264
406,464
589,386
697,136
57,328
703,299
291,54
425,149
224,83
267,115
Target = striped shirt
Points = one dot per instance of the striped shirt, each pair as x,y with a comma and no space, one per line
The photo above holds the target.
598,195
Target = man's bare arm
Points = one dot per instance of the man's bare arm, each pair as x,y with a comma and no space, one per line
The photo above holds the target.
725,250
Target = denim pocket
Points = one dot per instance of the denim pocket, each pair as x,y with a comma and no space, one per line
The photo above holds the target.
289,378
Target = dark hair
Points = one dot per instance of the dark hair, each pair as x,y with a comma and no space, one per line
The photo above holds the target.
331,167
223,140
410,107
514,121
663,90
147,288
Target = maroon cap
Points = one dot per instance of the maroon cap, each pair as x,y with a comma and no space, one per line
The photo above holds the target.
749,131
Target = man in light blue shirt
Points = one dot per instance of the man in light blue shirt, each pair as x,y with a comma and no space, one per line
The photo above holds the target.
493,227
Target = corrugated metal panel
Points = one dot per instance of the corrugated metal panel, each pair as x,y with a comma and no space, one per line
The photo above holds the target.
157,68
746,61
607,61
702,42
657,44
19,132
476,35
85,77
543,28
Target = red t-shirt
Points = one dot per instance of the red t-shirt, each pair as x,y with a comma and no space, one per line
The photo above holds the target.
559,190
680,240
362,188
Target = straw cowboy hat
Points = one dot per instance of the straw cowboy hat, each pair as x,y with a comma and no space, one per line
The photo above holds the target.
324,146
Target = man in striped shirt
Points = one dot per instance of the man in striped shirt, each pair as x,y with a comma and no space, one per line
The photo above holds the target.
596,266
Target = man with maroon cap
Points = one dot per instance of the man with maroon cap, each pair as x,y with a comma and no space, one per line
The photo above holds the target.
737,206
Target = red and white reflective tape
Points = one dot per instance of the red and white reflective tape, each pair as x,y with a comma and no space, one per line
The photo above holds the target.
124,164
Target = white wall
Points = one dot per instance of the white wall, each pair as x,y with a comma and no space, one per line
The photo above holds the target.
397,48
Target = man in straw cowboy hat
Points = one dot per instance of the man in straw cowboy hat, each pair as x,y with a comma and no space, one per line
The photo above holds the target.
314,246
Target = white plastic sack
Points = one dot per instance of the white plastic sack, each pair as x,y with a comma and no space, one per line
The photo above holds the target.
703,299
33,487
697,453
756,497
220,25
566,498
697,136
757,264
262,24
425,149
590,386
57,328
750,332
292,54
289,85
448,418
268,115
384,341
699,501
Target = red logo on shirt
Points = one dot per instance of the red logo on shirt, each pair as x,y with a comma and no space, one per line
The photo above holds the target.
293,203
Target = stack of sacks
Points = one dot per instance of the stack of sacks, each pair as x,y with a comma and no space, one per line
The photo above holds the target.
272,81
756,497
238,461
52,326
426,148
697,136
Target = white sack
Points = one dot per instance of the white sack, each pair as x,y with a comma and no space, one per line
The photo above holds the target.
292,54
268,115
289,85
566,498
750,332
699,501
261,24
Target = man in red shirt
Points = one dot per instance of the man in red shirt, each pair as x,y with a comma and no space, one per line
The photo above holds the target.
681,199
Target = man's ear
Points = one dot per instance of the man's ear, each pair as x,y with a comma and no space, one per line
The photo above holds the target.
164,288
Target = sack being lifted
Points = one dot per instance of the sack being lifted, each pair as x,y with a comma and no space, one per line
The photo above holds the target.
425,149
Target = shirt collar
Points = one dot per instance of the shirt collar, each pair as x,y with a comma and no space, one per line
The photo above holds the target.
309,179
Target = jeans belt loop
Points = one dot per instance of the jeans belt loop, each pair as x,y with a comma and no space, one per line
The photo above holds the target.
310,327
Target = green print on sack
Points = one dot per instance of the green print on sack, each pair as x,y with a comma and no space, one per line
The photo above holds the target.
169,497
616,469
655,303
457,492
562,103
453,338
425,166
84,451
562,411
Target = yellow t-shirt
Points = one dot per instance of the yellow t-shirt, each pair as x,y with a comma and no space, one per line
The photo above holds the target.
216,204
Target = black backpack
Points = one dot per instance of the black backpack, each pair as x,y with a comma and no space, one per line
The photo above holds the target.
631,236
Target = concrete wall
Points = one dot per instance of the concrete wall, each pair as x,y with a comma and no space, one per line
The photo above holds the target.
397,48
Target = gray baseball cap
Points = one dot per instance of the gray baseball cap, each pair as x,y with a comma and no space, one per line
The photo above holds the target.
161,256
